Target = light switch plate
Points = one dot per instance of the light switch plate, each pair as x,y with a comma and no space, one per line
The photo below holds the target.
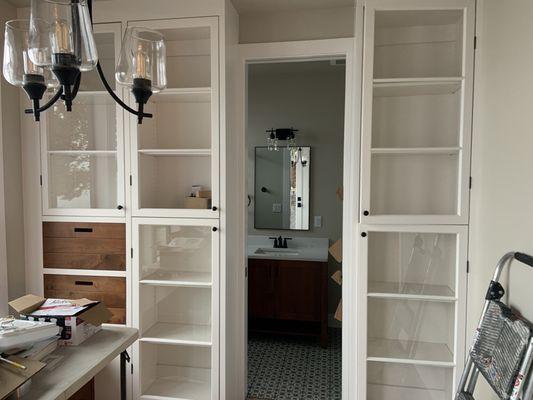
318,221
276,207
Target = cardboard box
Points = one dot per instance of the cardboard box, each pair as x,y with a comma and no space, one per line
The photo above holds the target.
204,194
336,250
78,319
197,203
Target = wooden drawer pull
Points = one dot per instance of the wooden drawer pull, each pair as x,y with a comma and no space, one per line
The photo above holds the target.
83,230
83,283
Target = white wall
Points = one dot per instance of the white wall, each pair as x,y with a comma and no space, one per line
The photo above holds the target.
12,176
290,25
308,96
502,195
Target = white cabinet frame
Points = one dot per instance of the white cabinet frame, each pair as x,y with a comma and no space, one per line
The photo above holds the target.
466,81
215,295
137,211
116,29
460,302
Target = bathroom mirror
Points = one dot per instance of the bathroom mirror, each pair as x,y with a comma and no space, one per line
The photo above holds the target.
282,188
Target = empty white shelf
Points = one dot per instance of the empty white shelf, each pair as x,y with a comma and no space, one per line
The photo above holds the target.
409,352
187,95
386,392
189,384
178,278
416,150
410,291
416,87
188,334
176,152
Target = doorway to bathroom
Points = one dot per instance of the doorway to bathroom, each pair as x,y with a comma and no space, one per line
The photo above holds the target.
297,122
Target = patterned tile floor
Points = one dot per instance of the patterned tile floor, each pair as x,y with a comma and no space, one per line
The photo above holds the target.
294,368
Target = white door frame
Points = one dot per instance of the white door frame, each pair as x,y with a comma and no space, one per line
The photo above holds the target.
298,51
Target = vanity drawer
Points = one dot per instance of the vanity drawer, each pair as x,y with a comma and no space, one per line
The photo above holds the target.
109,290
73,245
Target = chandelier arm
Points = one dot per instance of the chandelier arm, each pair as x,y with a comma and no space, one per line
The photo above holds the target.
115,97
50,103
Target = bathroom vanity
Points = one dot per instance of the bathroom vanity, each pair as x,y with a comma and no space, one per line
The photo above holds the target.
288,287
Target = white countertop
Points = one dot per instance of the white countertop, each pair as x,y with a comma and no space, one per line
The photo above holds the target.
299,248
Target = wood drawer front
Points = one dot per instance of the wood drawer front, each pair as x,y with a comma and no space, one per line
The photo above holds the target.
72,245
108,290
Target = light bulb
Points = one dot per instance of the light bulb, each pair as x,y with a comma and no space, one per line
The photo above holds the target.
141,64
62,42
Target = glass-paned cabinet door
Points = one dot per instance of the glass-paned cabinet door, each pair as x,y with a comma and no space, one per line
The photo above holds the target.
176,275
83,150
175,154
413,296
417,91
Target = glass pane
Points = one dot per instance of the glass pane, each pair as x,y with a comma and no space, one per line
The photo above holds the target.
175,372
418,44
167,181
181,121
408,382
177,314
414,184
92,125
412,263
410,329
82,181
176,254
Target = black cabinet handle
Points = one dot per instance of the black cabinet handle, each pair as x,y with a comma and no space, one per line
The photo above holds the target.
83,230
215,229
119,207
363,234
214,208
83,283
366,213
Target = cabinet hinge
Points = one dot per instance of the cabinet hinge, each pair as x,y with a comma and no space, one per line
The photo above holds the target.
475,42
41,180
131,180
470,183
131,252
131,368
467,267
246,272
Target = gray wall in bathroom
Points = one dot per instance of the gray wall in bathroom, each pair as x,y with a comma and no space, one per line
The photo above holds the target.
308,96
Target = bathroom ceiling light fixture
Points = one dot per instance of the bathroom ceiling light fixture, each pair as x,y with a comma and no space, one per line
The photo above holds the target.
57,44
283,134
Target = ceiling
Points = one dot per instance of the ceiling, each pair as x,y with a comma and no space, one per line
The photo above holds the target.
267,6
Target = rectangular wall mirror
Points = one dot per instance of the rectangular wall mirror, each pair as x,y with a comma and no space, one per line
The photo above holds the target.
282,188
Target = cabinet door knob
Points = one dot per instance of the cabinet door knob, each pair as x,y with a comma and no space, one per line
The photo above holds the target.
119,207
214,208
363,234
366,213
215,229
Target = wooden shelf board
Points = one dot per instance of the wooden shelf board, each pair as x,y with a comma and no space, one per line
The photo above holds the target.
178,388
184,279
411,291
409,352
416,150
184,334
176,152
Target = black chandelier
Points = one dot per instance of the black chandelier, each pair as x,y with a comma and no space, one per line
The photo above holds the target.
53,48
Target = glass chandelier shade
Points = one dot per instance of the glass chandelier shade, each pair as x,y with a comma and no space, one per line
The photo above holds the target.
142,60
66,37
18,68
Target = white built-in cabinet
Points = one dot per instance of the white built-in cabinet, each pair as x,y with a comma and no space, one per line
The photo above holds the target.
99,165
82,152
415,176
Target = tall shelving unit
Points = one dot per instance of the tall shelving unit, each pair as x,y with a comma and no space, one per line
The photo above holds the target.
175,250
416,138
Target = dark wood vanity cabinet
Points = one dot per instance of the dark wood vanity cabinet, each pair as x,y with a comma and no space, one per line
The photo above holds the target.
288,297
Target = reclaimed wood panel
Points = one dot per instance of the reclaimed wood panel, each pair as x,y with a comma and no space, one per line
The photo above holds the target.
109,290
97,246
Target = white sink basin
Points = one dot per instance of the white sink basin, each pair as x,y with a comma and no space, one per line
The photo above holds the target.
277,252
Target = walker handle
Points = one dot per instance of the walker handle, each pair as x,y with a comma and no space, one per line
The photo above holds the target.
526,259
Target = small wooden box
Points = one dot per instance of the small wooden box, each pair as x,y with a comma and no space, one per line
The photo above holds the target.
204,194
197,203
